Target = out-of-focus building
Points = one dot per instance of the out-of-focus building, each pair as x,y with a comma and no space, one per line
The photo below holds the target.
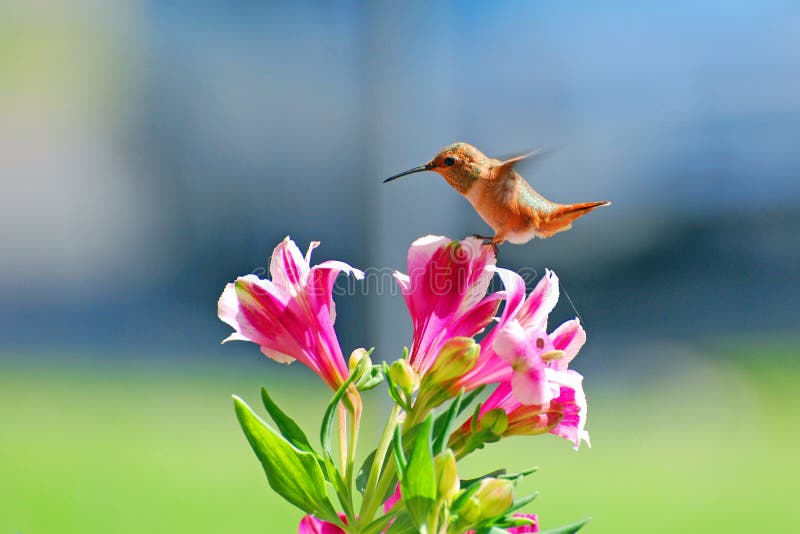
153,151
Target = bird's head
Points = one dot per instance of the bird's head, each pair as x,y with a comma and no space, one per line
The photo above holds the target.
459,163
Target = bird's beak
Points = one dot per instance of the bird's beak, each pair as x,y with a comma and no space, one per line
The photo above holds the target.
426,167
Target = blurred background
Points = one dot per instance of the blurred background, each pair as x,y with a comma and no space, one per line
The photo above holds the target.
150,152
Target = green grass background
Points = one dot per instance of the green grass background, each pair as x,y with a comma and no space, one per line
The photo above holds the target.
703,445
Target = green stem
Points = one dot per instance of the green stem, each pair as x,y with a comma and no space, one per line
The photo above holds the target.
343,437
386,477
345,451
373,493
351,450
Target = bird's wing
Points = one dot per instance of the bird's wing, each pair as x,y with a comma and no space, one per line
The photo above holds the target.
510,162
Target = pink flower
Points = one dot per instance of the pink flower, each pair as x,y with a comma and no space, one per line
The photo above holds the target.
291,316
312,525
534,527
490,368
564,415
520,339
392,500
445,292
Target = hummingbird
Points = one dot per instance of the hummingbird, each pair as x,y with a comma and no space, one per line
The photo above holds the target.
508,203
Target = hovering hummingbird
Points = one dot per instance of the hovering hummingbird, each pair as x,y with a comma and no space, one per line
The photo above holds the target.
514,210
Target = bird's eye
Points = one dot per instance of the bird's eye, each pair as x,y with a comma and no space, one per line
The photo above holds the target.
449,161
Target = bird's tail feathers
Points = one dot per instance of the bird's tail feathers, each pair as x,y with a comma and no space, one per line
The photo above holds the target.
561,219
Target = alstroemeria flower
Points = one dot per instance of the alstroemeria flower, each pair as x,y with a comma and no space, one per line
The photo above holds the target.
445,291
313,525
520,339
533,527
291,316
564,415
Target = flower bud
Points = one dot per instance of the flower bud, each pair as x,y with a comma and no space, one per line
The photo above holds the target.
470,511
356,356
495,420
404,376
495,495
370,379
457,357
447,482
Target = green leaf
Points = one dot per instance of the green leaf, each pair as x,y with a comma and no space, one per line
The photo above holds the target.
363,473
466,493
497,473
399,454
294,474
444,422
286,424
491,530
473,426
471,396
418,484
404,524
516,477
522,501
379,525
567,529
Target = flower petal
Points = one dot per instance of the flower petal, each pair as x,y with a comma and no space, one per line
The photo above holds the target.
290,317
530,387
311,247
520,348
568,337
534,527
477,261
391,501
509,341
276,355
572,400
445,292
288,267
541,301
313,525
423,249
514,291
476,319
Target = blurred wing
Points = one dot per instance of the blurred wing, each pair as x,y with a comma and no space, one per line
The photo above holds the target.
510,161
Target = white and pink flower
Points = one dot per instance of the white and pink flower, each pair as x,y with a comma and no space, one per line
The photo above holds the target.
291,316
445,292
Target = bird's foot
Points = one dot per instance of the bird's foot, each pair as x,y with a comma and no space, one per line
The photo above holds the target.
492,241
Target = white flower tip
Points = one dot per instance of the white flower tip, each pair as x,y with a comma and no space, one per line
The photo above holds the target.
429,239
236,336
311,246
278,356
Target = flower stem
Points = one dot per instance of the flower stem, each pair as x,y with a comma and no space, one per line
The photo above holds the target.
343,437
351,449
374,493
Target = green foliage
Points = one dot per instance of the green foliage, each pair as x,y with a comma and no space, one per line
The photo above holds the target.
288,428
567,529
418,481
293,473
210,485
444,423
